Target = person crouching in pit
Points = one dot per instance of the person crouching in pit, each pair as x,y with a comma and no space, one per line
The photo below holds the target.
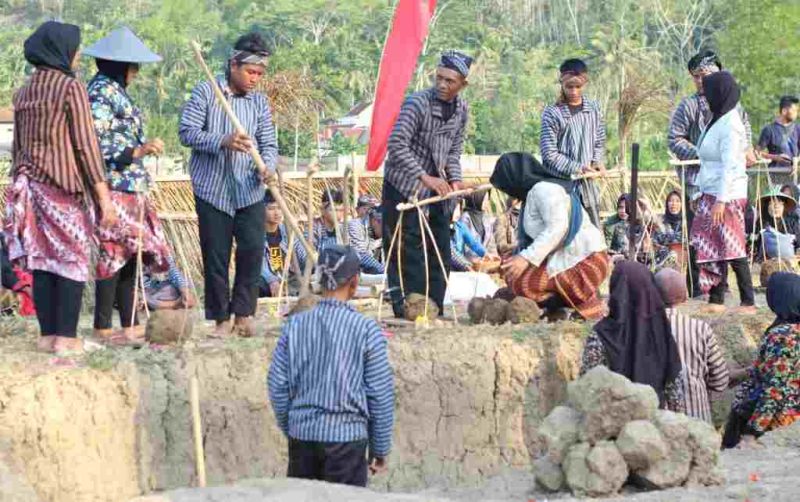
562,258
331,384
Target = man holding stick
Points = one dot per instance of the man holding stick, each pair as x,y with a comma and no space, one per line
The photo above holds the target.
424,158
229,193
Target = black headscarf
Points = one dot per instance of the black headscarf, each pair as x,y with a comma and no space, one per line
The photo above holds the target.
722,93
473,206
53,45
636,334
115,70
673,220
516,173
783,297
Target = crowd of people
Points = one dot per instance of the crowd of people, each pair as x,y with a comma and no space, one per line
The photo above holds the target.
79,183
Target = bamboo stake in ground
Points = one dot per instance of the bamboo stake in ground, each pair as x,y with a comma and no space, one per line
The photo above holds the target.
346,198
268,177
441,263
388,259
138,277
199,454
285,275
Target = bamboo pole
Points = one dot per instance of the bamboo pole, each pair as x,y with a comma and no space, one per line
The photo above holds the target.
347,206
268,177
405,206
199,455
305,287
611,173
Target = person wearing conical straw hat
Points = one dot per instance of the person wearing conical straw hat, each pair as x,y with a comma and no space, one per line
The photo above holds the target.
120,130
777,227
56,171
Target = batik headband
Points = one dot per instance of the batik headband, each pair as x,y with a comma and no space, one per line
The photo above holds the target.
568,76
246,57
708,65
337,265
457,61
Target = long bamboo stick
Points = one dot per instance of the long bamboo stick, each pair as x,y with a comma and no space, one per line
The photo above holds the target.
269,178
200,458
405,206
305,288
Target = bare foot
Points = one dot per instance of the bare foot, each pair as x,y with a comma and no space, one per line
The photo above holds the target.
221,330
103,334
45,343
67,346
713,308
747,310
244,327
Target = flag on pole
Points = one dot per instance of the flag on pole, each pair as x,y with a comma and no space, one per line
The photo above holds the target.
399,59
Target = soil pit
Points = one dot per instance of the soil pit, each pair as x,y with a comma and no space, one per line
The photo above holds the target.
116,424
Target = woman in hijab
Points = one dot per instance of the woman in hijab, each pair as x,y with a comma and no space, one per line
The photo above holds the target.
718,233
635,338
770,396
669,236
57,179
478,222
562,258
120,129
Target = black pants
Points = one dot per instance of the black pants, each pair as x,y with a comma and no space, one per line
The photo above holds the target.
116,290
693,270
58,303
343,463
412,256
743,279
217,231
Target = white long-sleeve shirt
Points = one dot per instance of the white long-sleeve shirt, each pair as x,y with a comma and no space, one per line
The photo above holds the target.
546,221
722,152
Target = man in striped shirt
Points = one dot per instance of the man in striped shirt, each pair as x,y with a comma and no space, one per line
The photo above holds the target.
685,130
229,193
425,159
573,136
704,367
331,384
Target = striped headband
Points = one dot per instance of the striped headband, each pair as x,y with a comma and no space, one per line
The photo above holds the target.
568,76
337,265
246,57
457,61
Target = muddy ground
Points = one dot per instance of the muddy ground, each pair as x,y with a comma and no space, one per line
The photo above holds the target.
116,424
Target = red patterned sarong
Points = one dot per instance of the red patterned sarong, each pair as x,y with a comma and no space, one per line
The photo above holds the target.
48,229
715,244
119,243
578,286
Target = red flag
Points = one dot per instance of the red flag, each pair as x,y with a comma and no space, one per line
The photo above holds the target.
400,54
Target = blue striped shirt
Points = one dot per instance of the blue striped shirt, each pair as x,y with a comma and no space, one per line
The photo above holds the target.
226,179
323,237
330,379
570,141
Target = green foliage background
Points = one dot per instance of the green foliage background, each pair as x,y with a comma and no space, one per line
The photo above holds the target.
636,50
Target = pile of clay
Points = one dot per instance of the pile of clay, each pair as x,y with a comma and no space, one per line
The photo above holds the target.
612,432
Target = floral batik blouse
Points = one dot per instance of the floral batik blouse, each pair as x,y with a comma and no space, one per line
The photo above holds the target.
119,127
771,393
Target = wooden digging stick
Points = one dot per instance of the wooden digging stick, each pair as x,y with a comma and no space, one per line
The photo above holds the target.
269,178
305,287
347,206
405,206
200,459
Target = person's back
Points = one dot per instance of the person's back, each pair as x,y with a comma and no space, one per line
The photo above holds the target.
704,367
330,382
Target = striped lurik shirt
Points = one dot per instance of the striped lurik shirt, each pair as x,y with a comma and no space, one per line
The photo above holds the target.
704,365
323,237
423,143
226,179
685,129
330,379
571,141
54,138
